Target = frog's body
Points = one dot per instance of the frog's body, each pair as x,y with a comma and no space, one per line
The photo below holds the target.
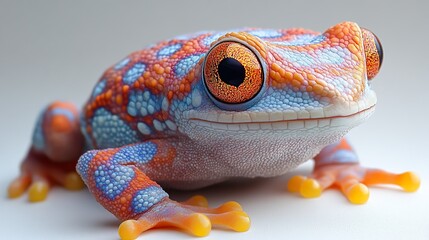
159,93
203,108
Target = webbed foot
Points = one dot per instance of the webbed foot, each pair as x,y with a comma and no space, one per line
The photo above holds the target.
352,179
192,216
39,174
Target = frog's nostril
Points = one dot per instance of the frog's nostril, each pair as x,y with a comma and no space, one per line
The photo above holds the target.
373,53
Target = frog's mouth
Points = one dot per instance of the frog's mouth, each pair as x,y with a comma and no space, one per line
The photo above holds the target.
338,115
257,123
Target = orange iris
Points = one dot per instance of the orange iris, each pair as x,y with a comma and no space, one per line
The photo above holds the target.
233,73
373,53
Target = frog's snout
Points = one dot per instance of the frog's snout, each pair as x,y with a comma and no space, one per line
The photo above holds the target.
373,53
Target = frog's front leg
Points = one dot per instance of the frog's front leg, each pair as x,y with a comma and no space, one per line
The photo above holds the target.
117,180
337,165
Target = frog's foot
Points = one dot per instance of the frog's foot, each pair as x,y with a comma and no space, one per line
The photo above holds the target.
192,216
38,174
352,179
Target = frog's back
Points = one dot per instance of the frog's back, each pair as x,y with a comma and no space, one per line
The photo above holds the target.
131,101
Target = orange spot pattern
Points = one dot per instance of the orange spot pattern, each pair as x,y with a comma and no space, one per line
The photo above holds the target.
319,78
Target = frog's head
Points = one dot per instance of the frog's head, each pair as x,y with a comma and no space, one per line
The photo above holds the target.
306,82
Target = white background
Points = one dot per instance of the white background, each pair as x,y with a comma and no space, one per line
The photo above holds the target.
53,50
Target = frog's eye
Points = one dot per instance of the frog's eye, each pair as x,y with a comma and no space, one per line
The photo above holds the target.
233,76
373,53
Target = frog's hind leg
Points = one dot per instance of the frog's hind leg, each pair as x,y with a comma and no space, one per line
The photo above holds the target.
117,180
337,165
56,146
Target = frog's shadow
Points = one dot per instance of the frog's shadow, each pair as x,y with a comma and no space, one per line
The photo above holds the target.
242,187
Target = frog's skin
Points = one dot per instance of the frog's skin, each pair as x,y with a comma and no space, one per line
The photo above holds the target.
203,108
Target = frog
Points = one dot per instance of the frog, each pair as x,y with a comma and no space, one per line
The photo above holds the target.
208,107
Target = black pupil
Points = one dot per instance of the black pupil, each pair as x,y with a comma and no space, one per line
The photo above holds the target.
231,71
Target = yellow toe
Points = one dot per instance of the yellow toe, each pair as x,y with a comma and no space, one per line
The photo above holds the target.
241,223
15,190
18,186
409,181
358,194
197,200
129,230
73,182
38,191
310,188
229,206
198,224
238,221
294,183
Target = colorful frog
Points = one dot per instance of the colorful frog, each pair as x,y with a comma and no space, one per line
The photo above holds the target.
207,107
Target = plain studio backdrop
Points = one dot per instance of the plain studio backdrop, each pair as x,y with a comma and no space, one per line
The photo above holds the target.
56,50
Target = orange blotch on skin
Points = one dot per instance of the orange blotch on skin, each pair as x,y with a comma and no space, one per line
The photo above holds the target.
187,88
60,123
158,69
318,89
161,80
311,76
153,83
298,77
288,75
334,71
140,79
295,83
108,94
170,95
191,75
320,82
352,48
275,67
275,75
128,117
356,40
168,70
119,99
164,156
137,84
125,89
